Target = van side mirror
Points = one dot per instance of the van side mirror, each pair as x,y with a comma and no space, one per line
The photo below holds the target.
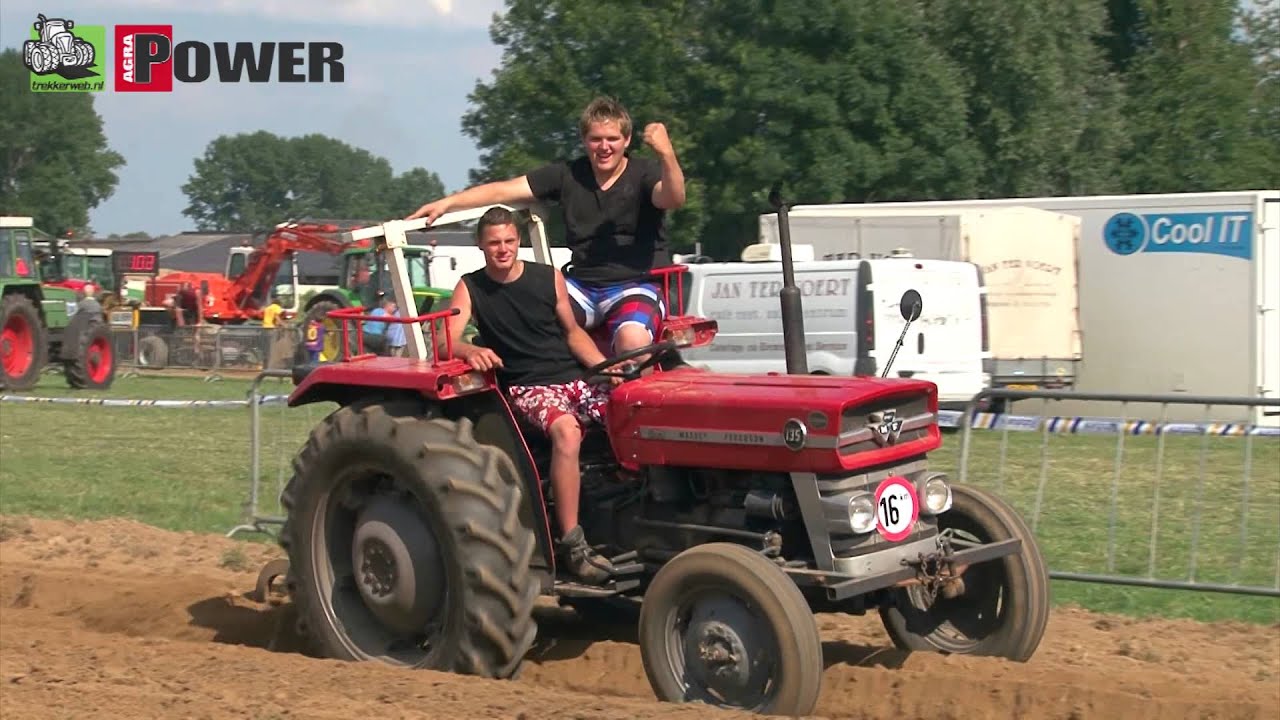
911,305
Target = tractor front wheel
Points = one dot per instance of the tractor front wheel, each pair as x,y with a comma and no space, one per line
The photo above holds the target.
1003,607
94,364
722,625
405,543
24,344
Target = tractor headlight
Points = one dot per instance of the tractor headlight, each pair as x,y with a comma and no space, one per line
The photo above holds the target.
936,494
862,513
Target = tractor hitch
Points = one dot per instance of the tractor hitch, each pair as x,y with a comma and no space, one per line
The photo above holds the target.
912,572
263,590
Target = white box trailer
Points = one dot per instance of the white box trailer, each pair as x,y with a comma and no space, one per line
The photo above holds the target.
1179,293
1027,256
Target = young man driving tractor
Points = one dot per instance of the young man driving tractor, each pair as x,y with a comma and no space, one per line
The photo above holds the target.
533,342
613,207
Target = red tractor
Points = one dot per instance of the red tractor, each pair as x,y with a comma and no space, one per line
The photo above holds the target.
733,507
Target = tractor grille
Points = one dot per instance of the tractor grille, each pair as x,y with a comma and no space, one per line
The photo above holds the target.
871,426
847,545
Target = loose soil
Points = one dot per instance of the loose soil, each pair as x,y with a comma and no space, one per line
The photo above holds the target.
117,619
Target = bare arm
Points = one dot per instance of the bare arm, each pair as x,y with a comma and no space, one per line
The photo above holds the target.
580,343
512,190
668,192
478,357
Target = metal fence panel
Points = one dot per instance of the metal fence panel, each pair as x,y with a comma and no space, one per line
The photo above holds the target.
1132,501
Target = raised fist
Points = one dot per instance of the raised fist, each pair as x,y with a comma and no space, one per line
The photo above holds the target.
655,136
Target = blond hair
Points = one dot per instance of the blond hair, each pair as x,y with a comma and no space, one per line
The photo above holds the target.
604,109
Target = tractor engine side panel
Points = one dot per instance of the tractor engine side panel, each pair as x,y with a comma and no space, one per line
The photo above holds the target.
773,425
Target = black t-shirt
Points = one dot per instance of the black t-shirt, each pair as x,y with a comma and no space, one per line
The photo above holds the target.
517,320
616,235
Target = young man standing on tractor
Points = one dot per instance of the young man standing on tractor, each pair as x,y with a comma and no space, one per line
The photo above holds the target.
534,344
613,207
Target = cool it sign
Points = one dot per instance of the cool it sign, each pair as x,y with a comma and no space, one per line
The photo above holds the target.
1214,233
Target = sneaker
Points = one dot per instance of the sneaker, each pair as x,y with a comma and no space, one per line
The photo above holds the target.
581,561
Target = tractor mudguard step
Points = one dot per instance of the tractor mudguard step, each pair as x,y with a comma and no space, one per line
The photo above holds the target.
623,565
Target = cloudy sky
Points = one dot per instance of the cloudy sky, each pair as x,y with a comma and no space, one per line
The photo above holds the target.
409,68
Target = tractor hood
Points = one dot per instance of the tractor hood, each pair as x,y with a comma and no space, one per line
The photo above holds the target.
783,423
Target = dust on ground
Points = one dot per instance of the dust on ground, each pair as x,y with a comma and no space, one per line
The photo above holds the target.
117,619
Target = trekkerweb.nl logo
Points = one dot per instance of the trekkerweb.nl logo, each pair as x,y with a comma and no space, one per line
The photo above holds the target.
62,56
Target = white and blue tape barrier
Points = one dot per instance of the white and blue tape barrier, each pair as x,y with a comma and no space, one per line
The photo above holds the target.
946,418
125,402
1066,425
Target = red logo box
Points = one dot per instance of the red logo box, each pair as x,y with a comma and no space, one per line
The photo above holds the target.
144,58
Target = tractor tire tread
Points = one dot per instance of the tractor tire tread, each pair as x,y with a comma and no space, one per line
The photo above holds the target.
18,303
76,369
1030,575
499,590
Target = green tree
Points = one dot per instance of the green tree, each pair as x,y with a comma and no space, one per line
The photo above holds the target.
1040,98
251,181
1262,30
55,163
842,100
411,189
1196,111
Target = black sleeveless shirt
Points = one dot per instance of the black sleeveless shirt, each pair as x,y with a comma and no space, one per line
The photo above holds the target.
517,320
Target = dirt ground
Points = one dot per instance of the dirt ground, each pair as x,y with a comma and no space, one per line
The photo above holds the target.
117,619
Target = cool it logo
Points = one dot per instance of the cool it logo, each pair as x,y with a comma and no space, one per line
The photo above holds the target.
1215,233
148,60
59,48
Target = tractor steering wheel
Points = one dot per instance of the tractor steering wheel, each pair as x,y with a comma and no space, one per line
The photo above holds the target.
656,351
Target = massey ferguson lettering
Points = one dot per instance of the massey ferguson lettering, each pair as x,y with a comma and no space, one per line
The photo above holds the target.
150,60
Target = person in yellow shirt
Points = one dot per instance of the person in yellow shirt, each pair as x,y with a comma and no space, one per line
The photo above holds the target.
272,312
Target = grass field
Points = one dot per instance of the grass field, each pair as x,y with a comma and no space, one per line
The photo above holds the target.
189,469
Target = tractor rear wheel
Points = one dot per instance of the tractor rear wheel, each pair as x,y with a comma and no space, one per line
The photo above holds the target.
24,344
153,352
1003,608
94,364
405,543
723,625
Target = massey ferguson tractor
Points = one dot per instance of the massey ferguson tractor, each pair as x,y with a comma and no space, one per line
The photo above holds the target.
733,507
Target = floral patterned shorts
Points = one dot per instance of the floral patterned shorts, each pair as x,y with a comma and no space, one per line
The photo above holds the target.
541,405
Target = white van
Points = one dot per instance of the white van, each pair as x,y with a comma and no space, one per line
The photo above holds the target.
852,319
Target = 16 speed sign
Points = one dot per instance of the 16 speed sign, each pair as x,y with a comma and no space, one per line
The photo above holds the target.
897,508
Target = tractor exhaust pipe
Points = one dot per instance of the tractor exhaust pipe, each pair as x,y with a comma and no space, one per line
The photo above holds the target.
792,313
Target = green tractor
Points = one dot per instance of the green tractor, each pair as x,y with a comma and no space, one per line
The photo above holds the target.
364,277
39,323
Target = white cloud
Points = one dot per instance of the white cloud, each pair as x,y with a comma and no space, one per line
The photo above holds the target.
394,13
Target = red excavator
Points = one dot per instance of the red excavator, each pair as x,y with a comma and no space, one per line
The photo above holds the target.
231,301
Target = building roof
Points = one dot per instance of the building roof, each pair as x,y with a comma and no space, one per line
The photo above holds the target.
208,251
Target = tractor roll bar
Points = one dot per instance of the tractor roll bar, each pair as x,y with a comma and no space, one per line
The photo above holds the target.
393,234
